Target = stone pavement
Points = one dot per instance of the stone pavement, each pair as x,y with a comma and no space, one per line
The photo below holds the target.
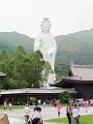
17,116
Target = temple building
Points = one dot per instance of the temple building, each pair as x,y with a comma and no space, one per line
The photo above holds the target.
79,81
20,96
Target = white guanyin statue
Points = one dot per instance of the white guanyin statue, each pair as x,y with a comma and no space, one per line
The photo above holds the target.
46,43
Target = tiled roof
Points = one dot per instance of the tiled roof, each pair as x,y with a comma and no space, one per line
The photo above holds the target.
82,72
31,91
79,74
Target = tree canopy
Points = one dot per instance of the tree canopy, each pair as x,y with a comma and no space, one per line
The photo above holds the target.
23,69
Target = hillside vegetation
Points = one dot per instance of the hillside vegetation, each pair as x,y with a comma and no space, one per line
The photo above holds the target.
75,46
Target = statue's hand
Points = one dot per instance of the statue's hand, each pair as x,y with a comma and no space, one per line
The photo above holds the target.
50,52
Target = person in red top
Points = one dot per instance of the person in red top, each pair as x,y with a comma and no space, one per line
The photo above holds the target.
58,106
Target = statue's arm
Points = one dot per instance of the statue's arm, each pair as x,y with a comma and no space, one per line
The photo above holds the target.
54,47
37,44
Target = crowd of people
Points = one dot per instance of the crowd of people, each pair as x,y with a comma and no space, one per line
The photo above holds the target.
72,111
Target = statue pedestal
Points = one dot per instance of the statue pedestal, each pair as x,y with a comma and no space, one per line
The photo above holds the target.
51,80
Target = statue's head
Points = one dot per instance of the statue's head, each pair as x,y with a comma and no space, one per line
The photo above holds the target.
45,25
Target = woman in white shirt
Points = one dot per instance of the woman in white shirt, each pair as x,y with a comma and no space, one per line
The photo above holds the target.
76,114
36,113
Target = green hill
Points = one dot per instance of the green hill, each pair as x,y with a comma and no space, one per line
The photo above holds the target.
76,46
13,39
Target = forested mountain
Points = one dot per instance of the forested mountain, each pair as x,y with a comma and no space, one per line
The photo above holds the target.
75,46
14,39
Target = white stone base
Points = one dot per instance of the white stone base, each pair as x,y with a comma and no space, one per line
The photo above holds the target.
51,80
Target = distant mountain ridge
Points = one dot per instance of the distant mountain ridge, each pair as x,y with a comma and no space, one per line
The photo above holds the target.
13,39
76,46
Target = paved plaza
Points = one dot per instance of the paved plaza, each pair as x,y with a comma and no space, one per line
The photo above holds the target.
17,116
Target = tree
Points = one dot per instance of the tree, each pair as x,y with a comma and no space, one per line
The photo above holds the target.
26,69
15,69
64,97
18,67
23,69
3,63
3,60
37,65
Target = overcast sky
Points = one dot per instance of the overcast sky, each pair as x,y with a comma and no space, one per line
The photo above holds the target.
25,16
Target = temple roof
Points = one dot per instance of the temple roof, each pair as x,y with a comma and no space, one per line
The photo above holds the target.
31,91
79,75
82,72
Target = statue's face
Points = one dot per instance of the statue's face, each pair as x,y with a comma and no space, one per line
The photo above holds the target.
45,26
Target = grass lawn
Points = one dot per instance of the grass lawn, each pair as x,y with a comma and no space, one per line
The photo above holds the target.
14,107
86,119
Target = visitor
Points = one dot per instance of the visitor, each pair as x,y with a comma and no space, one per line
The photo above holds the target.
36,113
27,113
10,106
58,106
76,114
44,104
39,102
5,105
37,121
86,105
69,113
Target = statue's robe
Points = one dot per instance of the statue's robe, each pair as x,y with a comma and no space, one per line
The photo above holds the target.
46,43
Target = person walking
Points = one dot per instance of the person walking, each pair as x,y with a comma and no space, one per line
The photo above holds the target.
27,113
58,107
5,105
76,114
36,113
10,106
69,113
35,116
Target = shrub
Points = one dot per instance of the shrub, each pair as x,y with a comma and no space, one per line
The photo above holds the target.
64,97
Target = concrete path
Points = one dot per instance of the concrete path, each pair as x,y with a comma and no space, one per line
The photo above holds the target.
17,116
